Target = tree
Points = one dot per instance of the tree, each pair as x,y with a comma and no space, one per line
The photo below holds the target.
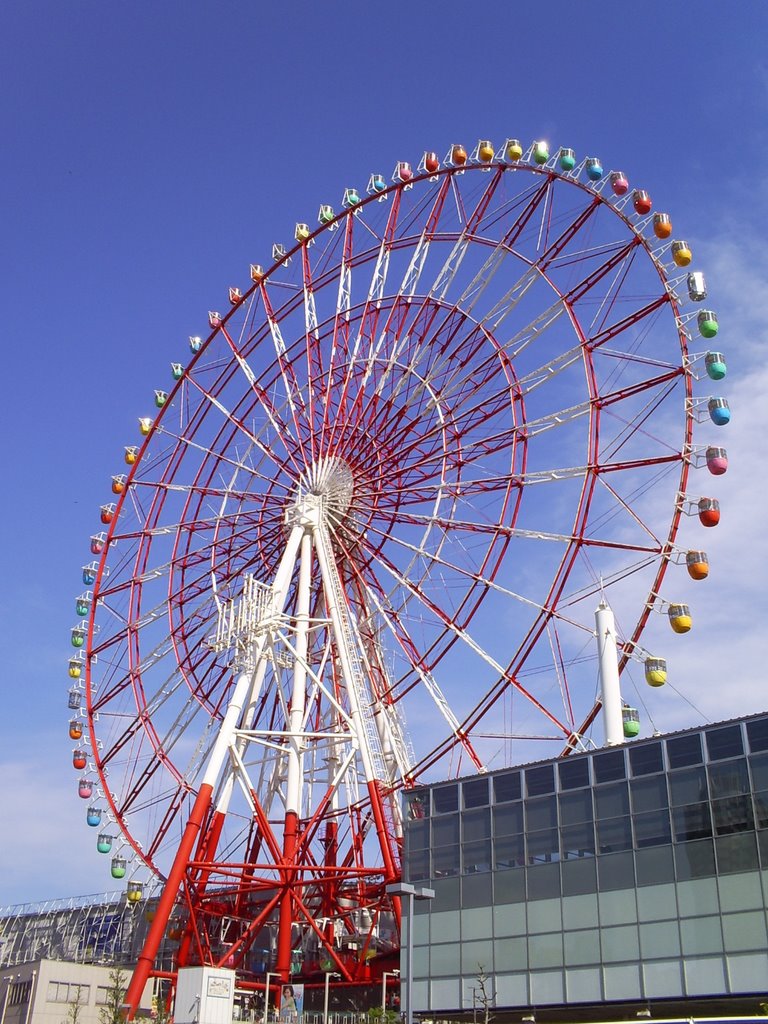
485,999
75,1007
111,1011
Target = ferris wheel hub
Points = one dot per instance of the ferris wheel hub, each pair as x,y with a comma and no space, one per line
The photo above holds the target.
324,494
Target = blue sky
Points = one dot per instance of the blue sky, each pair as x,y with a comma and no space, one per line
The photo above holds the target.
152,151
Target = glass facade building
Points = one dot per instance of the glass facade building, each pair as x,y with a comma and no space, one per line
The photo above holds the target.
627,874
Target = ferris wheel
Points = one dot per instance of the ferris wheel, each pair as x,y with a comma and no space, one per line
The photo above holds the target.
361,542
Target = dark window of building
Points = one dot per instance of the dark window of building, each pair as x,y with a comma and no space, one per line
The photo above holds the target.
736,853
758,765
574,773
694,860
688,787
417,835
724,742
757,734
508,820
476,890
612,801
609,766
655,865
646,759
445,831
417,806
417,865
540,780
616,871
445,861
613,835
575,807
476,825
509,852
577,841
762,845
543,881
475,792
506,787
652,828
542,846
732,814
447,891
692,821
761,809
578,877
649,794
445,799
540,813
729,779
476,857
509,887
684,750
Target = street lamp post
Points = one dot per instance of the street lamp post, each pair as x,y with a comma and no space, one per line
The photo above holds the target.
385,975
270,974
328,976
408,893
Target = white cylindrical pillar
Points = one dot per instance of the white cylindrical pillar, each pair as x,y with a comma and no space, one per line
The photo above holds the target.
607,651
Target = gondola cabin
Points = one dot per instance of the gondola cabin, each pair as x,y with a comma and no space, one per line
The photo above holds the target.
79,759
214,319
697,564
681,254
118,484
302,232
594,168
540,153
709,511
655,671
131,454
325,215
235,296
707,323
104,843
75,729
134,892
89,573
485,151
77,636
93,816
714,363
75,668
514,150
717,460
662,225
145,425
566,159
352,196
619,183
107,514
719,411
630,719
177,371
403,171
641,201
195,342
697,286
161,397
458,155
431,162
83,605
119,867
85,789
257,272
679,618
97,543
74,700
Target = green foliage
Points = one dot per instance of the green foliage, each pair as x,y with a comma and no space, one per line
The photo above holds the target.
111,1012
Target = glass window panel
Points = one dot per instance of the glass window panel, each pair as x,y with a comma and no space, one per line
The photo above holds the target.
476,824
476,856
507,820
545,950
762,845
621,943
578,841
733,814
736,853
445,831
757,734
649,794
575,807
684,750
475,792
613,835
695,860
724,742
646,759
476,890
758,764
509,887
445,799
540,813
652,828
543,881
574,773
609,766
582,947
445,861
691,822
616,871
417,805
729,779
701,935
539,781
445,959
579,876
447,894
612,801
418,835
761,809
417,865
506,787
687,787
655,866
744,931
542,846
509,852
